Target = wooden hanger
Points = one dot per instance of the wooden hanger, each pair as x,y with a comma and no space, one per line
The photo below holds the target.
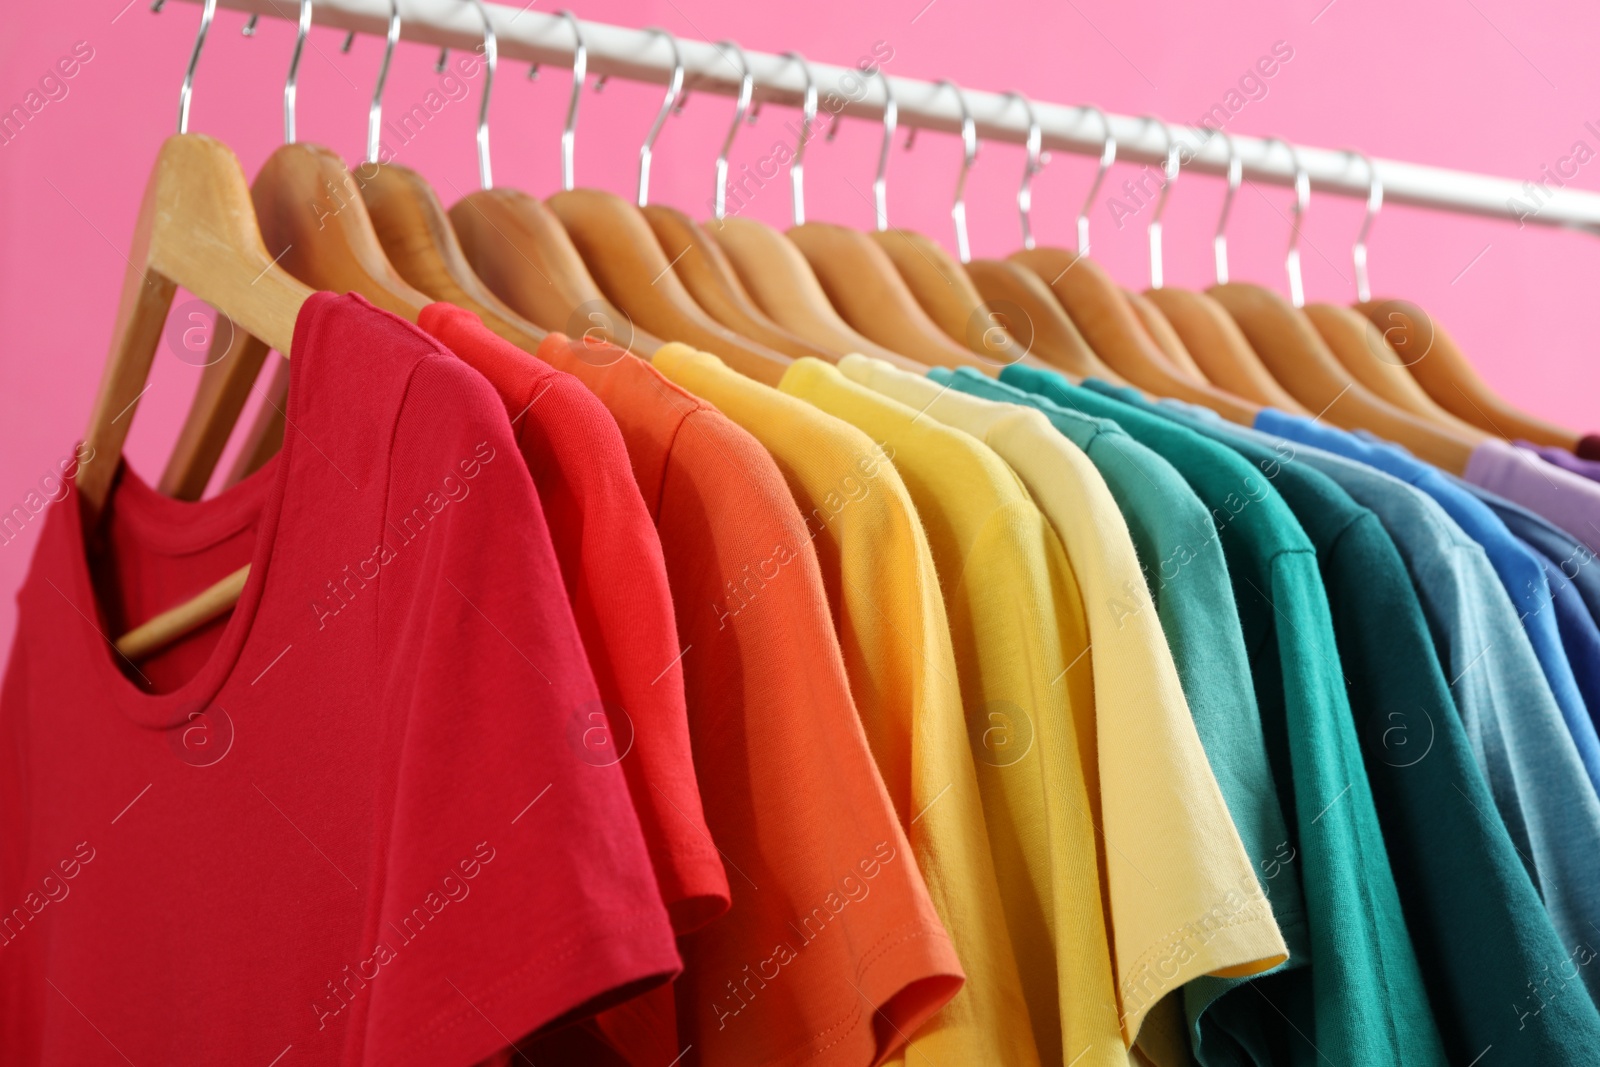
620,249
1155,323
1107,320
777,275
1437,363
516,245
703,267
1032,314
1208,336
313,223
196,229
1363,349
862,281
696,258
1283,336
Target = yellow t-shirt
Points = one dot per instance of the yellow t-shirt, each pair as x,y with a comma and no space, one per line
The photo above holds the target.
1004,577
890,618
1180,890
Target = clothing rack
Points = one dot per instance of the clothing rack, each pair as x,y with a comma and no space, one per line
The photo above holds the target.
646,56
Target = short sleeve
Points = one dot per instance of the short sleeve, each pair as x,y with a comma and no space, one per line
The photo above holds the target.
515,888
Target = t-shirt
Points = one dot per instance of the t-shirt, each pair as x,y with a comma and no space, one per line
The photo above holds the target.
884,593
1569,500
346,819
1513,726
1574,560
1362,999
1187,578
611,562
1519,569
832,952
1564,459
1020,664
1438,818
1160,808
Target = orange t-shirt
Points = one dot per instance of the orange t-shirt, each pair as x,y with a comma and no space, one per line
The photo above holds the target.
617,582
832,952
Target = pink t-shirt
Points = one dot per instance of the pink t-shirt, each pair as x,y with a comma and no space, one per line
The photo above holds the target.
343,824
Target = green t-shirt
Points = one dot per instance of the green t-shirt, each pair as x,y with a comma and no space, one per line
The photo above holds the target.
1187,577
1362,1001
1438,815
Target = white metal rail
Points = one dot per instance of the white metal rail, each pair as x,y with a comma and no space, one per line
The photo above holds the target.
640,55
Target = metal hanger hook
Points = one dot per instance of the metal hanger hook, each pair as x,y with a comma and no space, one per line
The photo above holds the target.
1170,168
1108,156
491,58
969,152
302,30
375,112
747,85
1302,199
674,87
580,71
880,182
1219,242
1029,169
808,117
1374,205
187,92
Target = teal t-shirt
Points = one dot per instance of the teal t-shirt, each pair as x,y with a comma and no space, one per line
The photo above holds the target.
1188,580
1362,1001
1439,819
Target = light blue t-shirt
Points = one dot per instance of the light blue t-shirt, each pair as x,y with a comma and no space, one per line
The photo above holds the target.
1519,569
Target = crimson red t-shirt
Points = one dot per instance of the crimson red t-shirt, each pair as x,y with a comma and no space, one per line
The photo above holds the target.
611,560
347,824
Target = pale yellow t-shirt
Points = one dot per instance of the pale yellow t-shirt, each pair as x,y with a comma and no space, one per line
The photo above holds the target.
1005,577
890,618
1180,890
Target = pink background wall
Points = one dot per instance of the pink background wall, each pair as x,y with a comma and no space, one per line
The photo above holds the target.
1488,85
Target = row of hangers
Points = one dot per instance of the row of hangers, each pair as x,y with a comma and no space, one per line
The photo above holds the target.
591,263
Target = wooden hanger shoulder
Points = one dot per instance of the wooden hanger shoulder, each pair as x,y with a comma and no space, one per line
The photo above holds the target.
1219,348
1434,359
1043,327
623,254
1359,346
517,246
781,281
946,293
1161,332
862,283
1109,324
417,235
703,267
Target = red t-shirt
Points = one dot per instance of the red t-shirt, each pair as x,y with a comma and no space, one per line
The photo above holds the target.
347,823
832,952
611,560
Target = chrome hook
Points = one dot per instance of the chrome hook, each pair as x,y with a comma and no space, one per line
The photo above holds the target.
1374,205
301,32
969,152
580,71
1302,199
1219,242
880,182
674,87
187,92
1029,169
1169,174
491,56
1108,156
747,84
375,113
808,116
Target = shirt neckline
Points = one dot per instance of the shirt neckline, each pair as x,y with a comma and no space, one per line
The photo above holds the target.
169,524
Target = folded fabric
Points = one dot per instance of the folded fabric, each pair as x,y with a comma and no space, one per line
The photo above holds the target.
1564,459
